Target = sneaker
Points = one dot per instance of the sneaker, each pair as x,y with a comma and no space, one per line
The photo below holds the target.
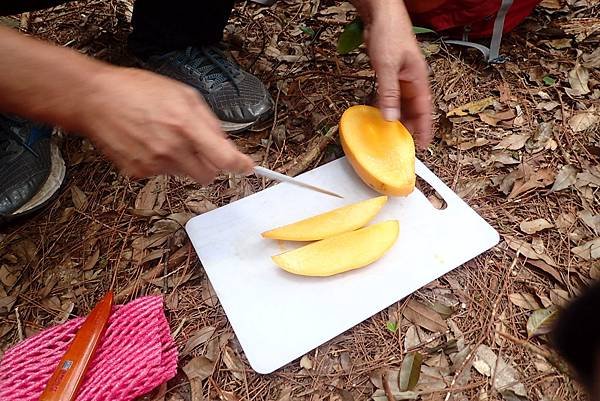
31,167
238,98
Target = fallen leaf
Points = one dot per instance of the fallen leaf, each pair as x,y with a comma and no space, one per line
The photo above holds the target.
200,206
565,178
338,12
526,249
471,108
588,251
424,316
590,220
534,226
541,321
551,4
91,260
548,106
578,79
512,142
199,368
410,371
546,268
473,143
201,337
380,395
350,38
306,363
506,378
501,157
153,194
525,301
543,139
591,60
495,118
582,28
233,363
583,121
532,180
594,273
559,297
79,198
7,277
589,178
413,337
563,43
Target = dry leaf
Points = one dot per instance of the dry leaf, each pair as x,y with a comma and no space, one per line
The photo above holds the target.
7,277
532,180
506,378
591,60
471,108
583,121
79,198
590,220
233,363
413,337
201,337
526,249
541,321
594,273
92,260
588,251
589,178
512,142
525,301
565,178
200,206
551,4
495,118
543,139
466,145
563,43
424,316
153,194
559,297
534,226
578,79
306,363
199,368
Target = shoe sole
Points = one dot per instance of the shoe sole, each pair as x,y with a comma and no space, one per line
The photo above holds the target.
48,190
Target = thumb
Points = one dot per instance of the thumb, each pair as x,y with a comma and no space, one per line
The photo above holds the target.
388,93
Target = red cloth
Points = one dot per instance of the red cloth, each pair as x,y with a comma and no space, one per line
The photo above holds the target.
136,354
453,15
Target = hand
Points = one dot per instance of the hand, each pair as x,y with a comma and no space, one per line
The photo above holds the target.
148,124
402,77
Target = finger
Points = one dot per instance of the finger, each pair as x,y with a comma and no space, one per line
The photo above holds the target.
209,140
193,165
388,92
416,111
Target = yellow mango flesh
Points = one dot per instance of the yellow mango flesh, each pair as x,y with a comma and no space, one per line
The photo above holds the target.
341,253
337,221
381,152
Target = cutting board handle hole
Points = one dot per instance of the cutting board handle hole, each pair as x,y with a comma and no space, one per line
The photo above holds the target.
433,196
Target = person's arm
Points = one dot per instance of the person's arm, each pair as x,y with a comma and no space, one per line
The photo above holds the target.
402,77
145,123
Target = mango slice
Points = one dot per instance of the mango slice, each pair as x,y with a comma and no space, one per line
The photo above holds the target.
347,251
381,152
337,221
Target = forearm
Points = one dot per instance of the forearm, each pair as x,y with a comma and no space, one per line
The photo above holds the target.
44,82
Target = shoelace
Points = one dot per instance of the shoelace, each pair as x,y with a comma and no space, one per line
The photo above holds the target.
10,142
213,64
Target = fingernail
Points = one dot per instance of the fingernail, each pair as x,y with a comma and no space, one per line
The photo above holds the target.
391,114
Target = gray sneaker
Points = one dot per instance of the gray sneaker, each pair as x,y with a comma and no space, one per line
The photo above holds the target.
238,98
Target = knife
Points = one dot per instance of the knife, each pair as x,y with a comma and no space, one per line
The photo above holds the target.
273,175
69,374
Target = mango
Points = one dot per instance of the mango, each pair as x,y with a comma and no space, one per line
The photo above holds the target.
341,253
337,221
381,152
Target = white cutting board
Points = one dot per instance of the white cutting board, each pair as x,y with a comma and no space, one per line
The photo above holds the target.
278,316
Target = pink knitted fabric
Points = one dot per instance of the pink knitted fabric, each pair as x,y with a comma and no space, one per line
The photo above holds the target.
136,355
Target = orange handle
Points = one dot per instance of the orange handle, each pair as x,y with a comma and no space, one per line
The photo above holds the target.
69,373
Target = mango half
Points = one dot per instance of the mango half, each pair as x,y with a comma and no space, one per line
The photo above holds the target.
337,221
341,253
381,152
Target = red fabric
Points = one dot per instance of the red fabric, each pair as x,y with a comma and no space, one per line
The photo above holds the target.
136,354
453,15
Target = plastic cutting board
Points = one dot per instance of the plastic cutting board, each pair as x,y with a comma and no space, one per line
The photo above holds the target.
278,316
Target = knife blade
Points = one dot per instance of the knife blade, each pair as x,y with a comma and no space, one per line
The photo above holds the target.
273,175
68,375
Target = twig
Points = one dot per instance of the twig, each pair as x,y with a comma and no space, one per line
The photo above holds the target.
300,164
386,387
551,357
19,324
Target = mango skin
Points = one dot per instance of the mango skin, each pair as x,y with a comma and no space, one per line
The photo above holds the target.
341,253
334,222
382,153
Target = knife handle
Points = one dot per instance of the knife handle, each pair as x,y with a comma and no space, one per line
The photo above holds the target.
68,375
